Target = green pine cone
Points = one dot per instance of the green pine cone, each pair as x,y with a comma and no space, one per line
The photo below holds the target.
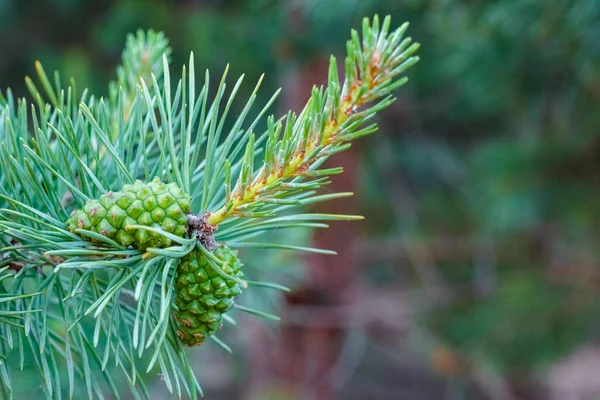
154,204
203,296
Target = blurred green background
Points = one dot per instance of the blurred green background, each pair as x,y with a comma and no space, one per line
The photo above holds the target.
475,274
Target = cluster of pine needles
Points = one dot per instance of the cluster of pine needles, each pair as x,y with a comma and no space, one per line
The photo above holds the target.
86,311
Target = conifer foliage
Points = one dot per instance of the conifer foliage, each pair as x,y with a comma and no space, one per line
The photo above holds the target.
118,215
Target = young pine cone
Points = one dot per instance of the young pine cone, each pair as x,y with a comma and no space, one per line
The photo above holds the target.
203,296
153,204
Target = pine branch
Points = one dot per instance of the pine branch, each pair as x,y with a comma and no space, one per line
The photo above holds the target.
102,300
331,118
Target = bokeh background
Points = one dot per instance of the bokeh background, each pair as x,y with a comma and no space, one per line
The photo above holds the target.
476,273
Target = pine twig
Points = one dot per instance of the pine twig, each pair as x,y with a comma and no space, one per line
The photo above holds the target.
331,119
